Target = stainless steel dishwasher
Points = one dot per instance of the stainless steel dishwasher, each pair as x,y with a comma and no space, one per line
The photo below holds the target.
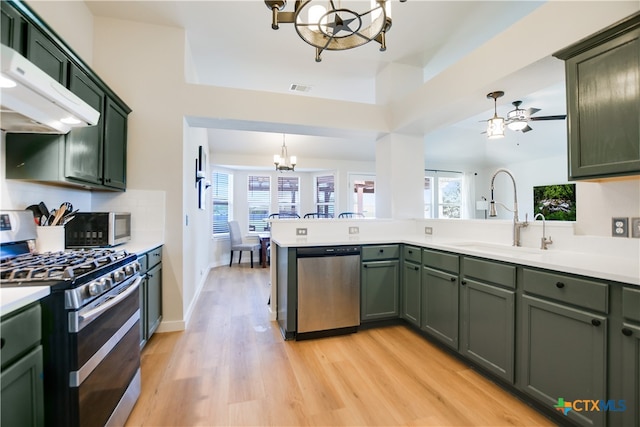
328,290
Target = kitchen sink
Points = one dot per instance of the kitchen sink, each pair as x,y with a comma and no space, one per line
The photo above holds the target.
497,248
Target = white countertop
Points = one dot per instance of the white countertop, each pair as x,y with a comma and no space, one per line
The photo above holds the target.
12,299
597,265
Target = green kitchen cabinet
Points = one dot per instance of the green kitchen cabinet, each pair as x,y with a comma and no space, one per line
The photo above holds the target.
380,282
625,352
564,342
411,284
603,102
84,146
46,55
150,293
440,296
115,145
487,315
11,28
91,157
22,395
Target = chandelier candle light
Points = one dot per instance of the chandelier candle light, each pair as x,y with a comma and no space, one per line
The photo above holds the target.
283,162
326,25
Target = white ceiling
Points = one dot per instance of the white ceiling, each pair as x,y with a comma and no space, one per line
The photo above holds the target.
432,35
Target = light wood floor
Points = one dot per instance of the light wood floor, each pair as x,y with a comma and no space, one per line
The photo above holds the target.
232,367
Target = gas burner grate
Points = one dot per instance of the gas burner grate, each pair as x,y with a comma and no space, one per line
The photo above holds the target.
62,265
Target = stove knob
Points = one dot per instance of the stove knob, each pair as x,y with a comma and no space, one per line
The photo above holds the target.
118,276
106,283
94,289
129,270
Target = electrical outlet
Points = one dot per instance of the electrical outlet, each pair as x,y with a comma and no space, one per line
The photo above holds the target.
428,230
620,227
354,230
635,227
301,231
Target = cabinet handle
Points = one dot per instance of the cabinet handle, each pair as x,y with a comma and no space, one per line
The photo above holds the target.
381,250
559,285
453,279
595,322
410,252
366,265
1,342
627,332
416,268
464,282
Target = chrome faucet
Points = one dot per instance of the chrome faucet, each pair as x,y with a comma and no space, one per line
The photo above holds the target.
544,242
517,225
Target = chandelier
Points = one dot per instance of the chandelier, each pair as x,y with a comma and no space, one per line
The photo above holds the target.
326,25
283,162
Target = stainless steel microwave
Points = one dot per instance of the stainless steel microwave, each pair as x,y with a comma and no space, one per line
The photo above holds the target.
98,229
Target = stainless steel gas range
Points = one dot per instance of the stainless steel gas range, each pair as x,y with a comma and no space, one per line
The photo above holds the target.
90,326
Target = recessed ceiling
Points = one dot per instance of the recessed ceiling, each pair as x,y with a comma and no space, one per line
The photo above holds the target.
232,45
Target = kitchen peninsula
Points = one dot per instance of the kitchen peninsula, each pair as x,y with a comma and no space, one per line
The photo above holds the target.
526,317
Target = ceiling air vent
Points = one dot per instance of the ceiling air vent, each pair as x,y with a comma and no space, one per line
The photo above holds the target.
299,88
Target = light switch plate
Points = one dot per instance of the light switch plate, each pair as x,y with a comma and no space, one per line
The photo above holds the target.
620,227
301,231
635,227
354,230
428,230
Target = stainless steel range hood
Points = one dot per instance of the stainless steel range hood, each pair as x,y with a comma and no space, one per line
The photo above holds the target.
32,102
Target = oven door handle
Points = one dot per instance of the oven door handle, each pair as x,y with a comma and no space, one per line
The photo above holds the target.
90,315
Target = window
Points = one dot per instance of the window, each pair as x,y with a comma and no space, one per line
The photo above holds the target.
363,193
443,195
258,200
325,195
288,195
221,185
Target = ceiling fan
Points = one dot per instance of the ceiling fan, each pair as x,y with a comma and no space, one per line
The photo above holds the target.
518,119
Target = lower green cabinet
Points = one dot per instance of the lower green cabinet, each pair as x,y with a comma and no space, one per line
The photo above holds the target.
631,375
150,293
379,290
563,357
22,395
487,330
411,292
487,315
154,299
440,305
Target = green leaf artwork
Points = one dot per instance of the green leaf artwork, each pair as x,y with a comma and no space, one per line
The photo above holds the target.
555,202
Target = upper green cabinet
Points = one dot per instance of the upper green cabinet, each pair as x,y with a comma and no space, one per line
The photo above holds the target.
11,27
603,102
47,55
83,160
91,157
115,145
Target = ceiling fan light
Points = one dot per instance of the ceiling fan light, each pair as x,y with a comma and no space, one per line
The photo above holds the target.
495,128
517,125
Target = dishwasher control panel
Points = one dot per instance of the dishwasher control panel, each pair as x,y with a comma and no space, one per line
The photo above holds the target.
322,251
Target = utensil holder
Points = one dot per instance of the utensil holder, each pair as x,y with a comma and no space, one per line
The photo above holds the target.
50,239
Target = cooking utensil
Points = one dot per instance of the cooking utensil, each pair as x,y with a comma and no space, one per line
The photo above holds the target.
59,215
44,211
35,210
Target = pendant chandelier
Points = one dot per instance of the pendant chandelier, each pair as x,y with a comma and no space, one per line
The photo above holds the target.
283,162
495,125
326,25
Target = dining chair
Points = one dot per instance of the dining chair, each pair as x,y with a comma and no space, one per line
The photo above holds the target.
237,243
318,215
351,215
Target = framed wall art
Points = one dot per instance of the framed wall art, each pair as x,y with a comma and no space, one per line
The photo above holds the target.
555,202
